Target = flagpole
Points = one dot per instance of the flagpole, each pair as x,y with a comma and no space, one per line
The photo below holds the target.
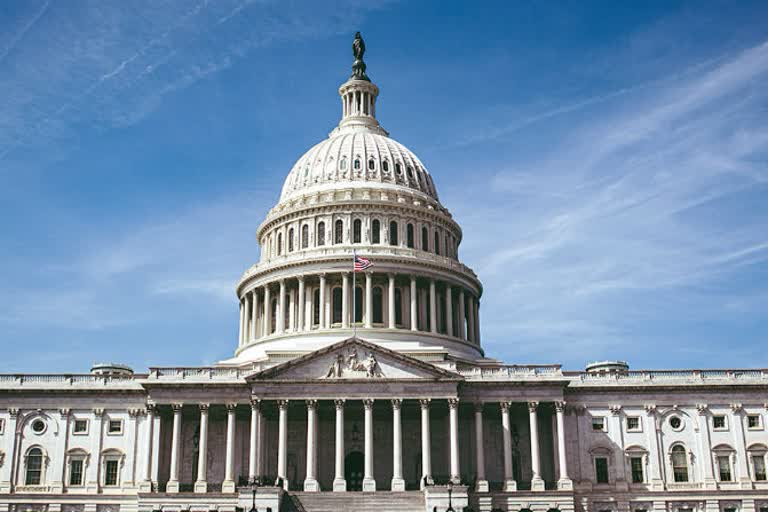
354,294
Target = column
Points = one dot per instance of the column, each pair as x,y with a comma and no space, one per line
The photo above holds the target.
564,483
267,321
510,484
146,477
280,320
706,448
242,322
201,484
254,314
345,300
741,467
448,310
470,319
339,483
246,316
398,483
59,456
254,448
369,484
537,484
657,481
292,311
426,454
7,472
173,480
368,300
453,422
414,306
282,442
476,317
391,301
321,320
462,319
300,322
229,466
432,307
482,483
310,481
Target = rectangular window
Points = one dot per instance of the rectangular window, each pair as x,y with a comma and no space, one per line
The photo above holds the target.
636,463
724,467
76,472
601,470
110,472
598,424
718,422
753,421
758,462
633,424
80,427
115,427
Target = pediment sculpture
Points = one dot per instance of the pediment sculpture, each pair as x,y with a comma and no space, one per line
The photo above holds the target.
350,365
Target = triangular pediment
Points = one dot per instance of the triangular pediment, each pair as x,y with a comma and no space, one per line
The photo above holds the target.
354,359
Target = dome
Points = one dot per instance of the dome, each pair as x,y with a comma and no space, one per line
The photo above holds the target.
357,158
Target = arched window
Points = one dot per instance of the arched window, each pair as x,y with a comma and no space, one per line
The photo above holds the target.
338,232
316,307
385,166
279,244
337,305
424,239
378,305
398,306
357,231
273,310
321,233
290,240
680,463
371,164
304,236
34,470
409,235
393,233
358,304
343,164
398,169
437,242
375,231
357,163
410,172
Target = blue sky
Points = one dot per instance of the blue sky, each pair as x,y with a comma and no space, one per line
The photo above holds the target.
606,160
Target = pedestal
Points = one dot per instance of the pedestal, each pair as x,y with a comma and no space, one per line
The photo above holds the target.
565,484
510,486
201,486
339,485
145,486
369,485
481,486
311,485
537,485
398,484
172,487
228,486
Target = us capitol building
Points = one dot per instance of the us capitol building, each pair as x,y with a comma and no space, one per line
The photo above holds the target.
371,390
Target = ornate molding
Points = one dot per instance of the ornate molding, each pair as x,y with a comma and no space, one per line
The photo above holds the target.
339,403
231,407
736,408
282,404
177,406
650,409
533,406
424,402
64,413
702,409
615,409
311,403
98,412
368,403
256,404
504,405
13,412
397,403
135,412
560,406
453,403
204,407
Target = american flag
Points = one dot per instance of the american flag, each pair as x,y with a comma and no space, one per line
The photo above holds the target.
361,263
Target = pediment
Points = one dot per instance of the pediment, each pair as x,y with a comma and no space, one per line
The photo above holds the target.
354,359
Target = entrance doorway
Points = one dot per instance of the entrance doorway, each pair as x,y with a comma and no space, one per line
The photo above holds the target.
354,466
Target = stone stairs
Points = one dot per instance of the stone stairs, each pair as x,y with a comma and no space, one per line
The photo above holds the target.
385,501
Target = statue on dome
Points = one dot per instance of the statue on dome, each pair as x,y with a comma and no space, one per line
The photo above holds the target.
358,67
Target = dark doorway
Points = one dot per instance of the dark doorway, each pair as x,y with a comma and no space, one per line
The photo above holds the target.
353,471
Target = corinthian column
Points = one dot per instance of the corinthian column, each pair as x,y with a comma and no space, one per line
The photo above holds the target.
173,480
432,307
339,483
310,482
321,307
300,320
201,485
254,314
254,448
398,483
537,484
462,317
453,420
564,482
267,322
369,483
426,450
414,305
506,430
391,301
280,320
282,442
229,470
448,310
482,483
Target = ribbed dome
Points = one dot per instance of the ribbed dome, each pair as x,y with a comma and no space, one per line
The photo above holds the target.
357,158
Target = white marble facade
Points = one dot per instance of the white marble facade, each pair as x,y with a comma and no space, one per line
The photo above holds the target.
377,381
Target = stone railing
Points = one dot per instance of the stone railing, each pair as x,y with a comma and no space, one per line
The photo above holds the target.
512,372
68,381
198,374
661,377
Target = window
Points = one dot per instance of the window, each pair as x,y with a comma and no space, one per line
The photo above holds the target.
80,427
76,471
304,236
753,422
633,424
675,422
357,231
598,424
636,464
393,233
375,232
34,473
111,467
343,164
398,307
385,166
316,307
409,235
358,304
290,240
724,467
38,426
115,427
758,463
437,242
279,244
398,169
424,239
338,232
337,304
371,164
321,233
410,172
719,423
679,464
357,164
378,306
601,470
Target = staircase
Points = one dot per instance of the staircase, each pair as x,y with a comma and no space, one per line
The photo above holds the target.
384,501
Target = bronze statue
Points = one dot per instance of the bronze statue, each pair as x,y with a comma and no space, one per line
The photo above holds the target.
358,67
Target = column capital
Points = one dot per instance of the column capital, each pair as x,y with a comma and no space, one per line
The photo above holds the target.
339,403
151,408
300,278
560,406
135,412
736,408
311,403
13,412
391,275
176,406
532,406
282,404
231,406
64,413
453,403
650,409
368,403
505,406
615,409
397,403
425,402
255,404
479,406
321,275
702,409
98,412
204,407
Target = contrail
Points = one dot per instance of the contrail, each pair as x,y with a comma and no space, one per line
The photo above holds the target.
24,31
